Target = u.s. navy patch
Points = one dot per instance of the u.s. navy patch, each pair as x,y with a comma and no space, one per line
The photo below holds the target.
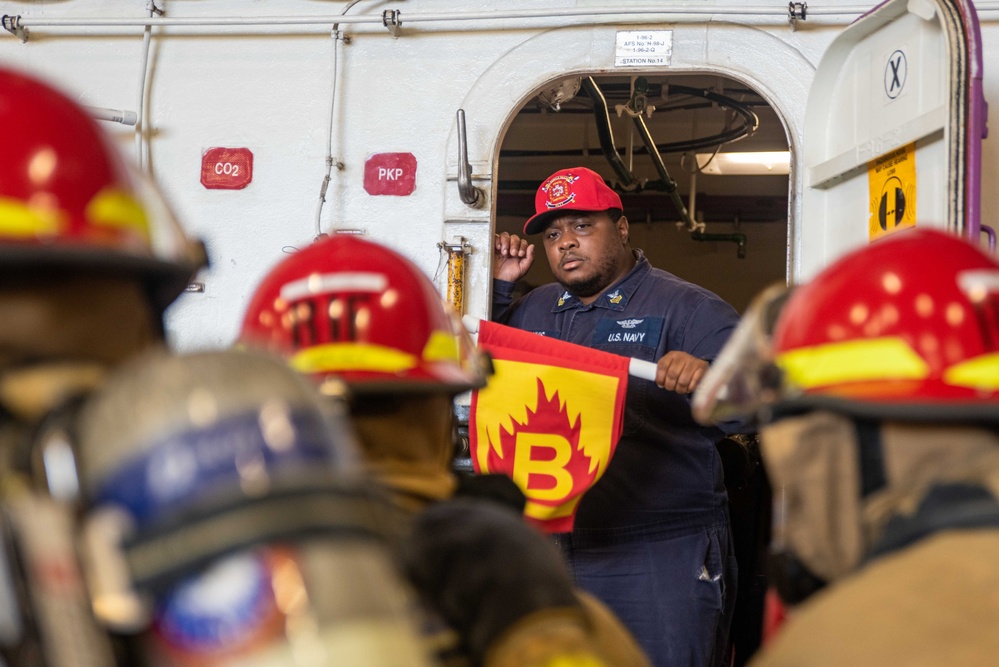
633,330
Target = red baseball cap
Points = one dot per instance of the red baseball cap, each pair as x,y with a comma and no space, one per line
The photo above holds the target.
573,189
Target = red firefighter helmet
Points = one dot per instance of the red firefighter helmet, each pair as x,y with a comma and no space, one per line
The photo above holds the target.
910,321
356,311
68,200
906,327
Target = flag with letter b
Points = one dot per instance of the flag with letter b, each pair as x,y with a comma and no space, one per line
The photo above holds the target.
549,419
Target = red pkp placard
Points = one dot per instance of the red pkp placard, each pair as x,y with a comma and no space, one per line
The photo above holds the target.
390,174
226,168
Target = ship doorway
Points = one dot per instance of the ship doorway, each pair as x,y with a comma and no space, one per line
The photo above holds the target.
742,246
696,123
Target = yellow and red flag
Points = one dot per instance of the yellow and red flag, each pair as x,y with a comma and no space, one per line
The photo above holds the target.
549,419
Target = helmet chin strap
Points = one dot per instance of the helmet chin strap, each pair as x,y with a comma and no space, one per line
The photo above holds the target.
870,457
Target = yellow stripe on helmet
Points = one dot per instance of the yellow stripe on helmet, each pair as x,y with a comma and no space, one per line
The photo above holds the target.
979,373
441,346
117,209
19,220
334,357
887,358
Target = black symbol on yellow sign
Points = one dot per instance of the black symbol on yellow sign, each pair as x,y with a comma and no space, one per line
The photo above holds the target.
891,209
891,181
895,72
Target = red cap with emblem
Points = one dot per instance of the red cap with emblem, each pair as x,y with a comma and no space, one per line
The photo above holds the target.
573,189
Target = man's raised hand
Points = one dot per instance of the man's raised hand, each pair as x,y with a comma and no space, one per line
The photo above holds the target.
512,257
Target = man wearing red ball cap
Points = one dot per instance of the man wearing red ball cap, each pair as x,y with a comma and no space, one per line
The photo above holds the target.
651,538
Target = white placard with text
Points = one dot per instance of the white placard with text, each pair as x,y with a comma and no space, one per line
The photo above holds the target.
643,48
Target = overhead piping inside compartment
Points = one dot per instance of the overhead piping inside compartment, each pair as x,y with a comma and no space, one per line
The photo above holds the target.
606,135
748,124
637,108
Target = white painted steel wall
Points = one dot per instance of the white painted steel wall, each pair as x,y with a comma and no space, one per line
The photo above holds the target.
269,89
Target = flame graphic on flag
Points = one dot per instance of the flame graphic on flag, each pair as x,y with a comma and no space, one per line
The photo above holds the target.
552,464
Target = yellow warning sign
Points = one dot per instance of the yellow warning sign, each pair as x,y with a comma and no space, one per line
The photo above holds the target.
892,181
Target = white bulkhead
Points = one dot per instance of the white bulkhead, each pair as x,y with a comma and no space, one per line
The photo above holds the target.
384,87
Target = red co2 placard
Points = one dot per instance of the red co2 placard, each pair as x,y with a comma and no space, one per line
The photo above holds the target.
226,168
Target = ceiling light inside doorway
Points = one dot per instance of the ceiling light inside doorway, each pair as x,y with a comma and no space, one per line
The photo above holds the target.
745,164
554,96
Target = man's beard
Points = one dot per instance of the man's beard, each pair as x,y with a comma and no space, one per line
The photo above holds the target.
601,279
586,287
